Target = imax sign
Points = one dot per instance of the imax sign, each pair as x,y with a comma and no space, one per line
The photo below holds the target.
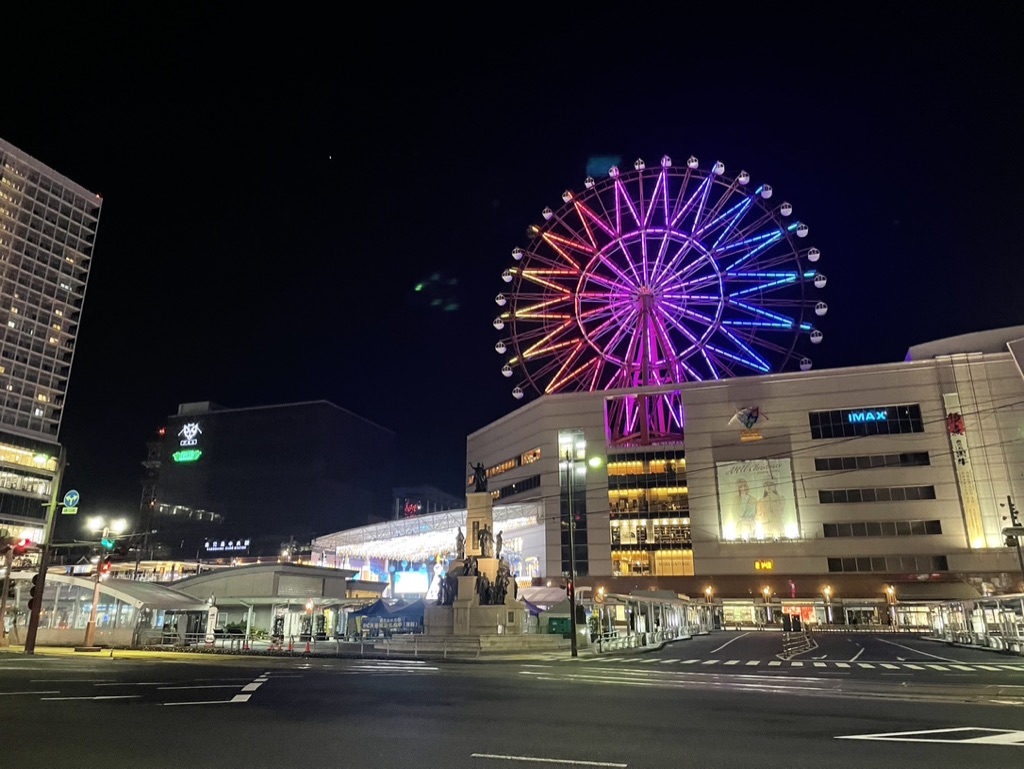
867,416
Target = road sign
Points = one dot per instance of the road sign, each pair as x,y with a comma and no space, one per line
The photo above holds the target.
71,498
68,510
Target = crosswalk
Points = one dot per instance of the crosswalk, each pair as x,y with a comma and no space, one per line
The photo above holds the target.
811,664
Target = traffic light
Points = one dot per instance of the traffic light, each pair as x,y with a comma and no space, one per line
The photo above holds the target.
107,541
105,565
21,546
1010,540
1014,515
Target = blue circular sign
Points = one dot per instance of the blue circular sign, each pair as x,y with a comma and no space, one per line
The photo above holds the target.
71,499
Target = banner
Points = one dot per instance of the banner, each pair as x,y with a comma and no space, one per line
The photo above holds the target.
756,500
964,472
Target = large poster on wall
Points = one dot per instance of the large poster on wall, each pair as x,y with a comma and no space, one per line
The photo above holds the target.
756,500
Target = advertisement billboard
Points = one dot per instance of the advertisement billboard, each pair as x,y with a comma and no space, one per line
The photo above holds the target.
407,582
756,500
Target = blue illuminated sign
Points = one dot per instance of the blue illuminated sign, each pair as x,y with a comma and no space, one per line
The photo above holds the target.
868,416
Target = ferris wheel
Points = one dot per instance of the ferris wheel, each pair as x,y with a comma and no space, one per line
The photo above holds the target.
659,276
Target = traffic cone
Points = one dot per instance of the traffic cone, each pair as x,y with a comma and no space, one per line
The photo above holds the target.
289,645
307,647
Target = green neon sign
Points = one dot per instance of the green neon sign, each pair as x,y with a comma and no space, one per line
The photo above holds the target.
188,455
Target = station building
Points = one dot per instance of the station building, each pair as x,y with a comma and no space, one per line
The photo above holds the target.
867,484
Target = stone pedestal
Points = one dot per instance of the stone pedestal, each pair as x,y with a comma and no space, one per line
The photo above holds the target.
479,513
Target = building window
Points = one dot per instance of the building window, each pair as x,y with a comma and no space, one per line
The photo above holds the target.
869,461
878,494
908,564
874,420
882,528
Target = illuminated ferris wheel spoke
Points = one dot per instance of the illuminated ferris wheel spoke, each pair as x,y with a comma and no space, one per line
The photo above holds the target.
658,196
734,338
727,220
695,202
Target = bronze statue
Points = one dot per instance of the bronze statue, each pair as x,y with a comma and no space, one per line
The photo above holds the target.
479,476
486,542
497,546
460,544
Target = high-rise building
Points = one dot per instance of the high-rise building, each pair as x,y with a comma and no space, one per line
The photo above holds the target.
47,235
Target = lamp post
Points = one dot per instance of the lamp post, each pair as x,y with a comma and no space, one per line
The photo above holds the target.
99,525
828,604
570,470
708,592
890,597
35,607
767,591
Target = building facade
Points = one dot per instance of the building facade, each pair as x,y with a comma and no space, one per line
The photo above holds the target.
853,479
48,228
255,481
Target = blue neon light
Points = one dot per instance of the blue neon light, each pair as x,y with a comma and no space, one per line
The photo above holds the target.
871,415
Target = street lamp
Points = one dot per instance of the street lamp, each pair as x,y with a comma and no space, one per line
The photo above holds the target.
570,471
97,524
827,591
576,446
767,603
890,597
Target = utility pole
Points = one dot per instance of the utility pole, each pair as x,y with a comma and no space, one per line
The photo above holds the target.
36,603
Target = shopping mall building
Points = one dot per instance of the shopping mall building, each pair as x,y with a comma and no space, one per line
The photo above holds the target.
872,484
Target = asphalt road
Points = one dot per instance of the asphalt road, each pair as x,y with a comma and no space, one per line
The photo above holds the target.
282,713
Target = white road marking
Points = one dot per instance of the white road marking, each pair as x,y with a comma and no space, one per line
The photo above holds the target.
855,656
713,651
987,667
865,665
842,664
539,760
916,651
13,694
710,662
140,683
732,662
252,687
933,666
819,664
796,664
995,736
754,662
689,662
914,667
241,698
962,667
774,664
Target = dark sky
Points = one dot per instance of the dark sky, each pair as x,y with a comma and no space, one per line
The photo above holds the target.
273,189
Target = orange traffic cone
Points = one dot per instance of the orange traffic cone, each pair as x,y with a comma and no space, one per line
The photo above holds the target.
289,645
307,647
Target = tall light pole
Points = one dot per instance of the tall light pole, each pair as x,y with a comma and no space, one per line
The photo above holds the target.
107,531
890,597
828,604
35,605
570,469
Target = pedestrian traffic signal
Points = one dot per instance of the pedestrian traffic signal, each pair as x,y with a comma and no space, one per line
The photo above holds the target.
35,592
105,565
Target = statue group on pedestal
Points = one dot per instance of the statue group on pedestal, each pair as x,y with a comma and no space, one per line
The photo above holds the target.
489,594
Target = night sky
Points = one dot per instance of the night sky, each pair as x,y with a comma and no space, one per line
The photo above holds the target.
274,189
